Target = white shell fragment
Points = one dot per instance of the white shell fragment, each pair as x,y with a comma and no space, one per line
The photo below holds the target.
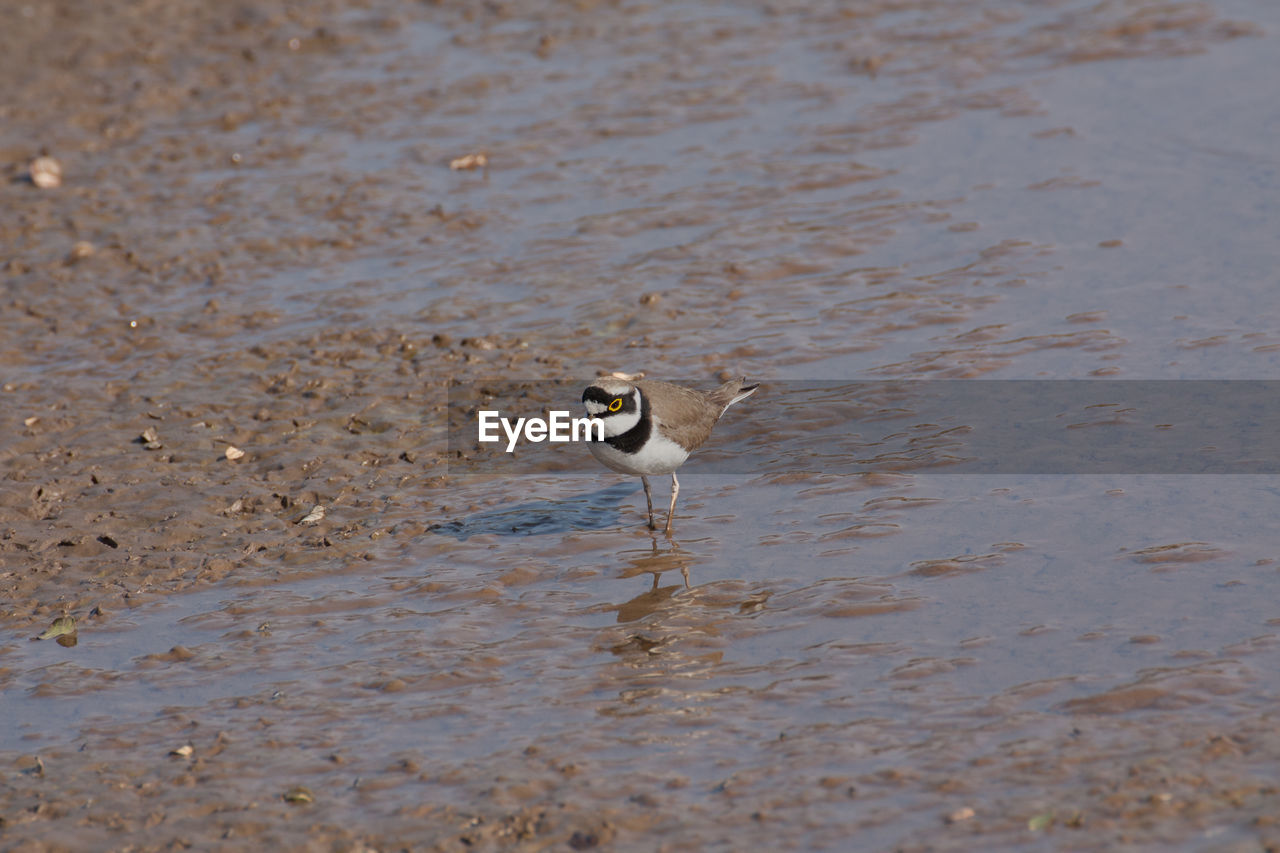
46,173
317,513
233,453
477,160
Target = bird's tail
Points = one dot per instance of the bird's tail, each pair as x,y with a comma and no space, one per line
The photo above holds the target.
732,391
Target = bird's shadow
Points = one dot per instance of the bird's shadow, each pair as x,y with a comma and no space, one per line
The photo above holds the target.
596,510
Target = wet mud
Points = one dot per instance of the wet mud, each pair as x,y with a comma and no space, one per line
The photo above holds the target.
249,248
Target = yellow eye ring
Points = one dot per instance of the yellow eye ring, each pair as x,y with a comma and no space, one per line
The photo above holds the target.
615,405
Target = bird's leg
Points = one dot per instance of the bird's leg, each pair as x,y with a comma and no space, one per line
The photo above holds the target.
675,490
648,499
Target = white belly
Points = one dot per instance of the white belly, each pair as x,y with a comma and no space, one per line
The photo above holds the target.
660,455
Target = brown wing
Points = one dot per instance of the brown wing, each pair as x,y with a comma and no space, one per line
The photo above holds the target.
688,415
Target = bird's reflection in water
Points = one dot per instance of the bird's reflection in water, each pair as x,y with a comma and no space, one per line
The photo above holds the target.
657,563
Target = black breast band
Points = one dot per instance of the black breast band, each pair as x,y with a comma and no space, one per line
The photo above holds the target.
633,439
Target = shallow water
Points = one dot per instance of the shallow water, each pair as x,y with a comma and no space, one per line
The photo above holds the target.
462,654
942,627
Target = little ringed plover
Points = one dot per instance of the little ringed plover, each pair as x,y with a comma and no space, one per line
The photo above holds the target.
651,427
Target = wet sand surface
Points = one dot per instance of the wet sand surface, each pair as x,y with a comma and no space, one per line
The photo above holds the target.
226,346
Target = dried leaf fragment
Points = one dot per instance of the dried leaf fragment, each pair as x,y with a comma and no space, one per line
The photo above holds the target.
62,626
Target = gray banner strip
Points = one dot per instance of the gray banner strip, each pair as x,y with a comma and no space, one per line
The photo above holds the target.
962,427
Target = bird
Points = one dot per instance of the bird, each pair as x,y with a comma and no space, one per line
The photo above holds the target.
651,427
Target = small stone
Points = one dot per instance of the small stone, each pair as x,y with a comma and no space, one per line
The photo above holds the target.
584,840
299,795
81,250
868,65
233,453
